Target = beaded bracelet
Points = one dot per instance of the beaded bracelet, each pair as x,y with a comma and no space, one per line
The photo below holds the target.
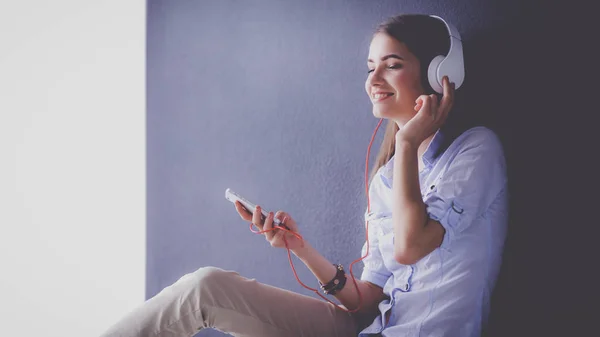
337,283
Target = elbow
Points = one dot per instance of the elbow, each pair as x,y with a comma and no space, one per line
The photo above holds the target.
406,255
406,248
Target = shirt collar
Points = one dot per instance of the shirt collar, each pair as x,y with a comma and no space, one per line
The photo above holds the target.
433,149
432,152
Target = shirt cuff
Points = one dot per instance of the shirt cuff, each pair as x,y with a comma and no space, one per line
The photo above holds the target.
448,215
374,277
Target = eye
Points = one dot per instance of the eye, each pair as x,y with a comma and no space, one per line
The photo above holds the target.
393,66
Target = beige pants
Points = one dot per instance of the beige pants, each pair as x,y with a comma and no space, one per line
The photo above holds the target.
223,300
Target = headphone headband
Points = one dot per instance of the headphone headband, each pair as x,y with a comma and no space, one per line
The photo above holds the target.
451,29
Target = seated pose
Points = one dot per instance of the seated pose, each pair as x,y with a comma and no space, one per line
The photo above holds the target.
436,222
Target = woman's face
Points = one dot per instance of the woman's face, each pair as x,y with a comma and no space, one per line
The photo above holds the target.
393,83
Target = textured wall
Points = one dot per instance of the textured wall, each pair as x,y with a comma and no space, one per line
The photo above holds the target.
267,98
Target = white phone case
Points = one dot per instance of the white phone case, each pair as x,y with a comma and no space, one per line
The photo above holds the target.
233,197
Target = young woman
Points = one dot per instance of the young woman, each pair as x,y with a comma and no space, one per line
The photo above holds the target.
436,226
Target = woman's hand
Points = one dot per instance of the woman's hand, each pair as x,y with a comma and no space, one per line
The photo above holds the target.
430,116
276,237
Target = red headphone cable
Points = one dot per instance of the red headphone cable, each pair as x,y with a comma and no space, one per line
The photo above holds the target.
352,264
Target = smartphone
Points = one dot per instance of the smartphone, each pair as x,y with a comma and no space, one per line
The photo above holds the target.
233,197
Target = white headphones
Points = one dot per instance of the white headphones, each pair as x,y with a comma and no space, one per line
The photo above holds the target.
451,65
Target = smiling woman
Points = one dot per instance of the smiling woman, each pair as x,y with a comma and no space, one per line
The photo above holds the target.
435,222
440,204
405,42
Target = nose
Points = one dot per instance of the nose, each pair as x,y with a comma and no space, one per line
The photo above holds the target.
375,79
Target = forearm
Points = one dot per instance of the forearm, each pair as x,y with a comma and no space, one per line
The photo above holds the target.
325,271
408,211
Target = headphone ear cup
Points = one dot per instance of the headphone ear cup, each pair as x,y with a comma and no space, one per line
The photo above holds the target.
432,72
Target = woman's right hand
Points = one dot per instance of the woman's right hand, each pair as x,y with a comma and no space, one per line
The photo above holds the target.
274,237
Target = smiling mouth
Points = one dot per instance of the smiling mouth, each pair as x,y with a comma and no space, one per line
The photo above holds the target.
381,97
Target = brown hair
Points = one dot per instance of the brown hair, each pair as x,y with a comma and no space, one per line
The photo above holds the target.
425,37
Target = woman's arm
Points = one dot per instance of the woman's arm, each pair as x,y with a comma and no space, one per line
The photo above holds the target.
415,234
325,271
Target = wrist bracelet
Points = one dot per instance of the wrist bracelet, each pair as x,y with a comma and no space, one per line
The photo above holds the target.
337,283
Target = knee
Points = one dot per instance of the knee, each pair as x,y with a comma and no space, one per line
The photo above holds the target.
207,277
207,282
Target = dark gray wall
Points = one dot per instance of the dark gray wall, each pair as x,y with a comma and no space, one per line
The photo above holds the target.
267,98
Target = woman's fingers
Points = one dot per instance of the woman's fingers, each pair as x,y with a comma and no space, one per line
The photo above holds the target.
277,240
433,106
243,212
270,235
275,236
419,104
256,218
279,216
268,227
426,104
448,98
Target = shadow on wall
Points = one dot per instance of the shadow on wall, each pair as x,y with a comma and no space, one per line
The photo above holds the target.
498,83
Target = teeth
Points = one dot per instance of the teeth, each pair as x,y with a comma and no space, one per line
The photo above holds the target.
377,96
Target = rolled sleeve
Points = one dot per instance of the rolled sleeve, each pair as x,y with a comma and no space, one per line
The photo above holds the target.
468,186
374,269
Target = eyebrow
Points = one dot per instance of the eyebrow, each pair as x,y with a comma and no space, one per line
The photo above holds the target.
387,57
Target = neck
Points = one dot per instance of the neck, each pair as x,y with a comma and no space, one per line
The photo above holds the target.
422,149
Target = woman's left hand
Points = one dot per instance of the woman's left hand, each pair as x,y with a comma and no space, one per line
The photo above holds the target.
430,116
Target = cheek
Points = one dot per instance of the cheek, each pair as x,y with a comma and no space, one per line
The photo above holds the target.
416,85
409,86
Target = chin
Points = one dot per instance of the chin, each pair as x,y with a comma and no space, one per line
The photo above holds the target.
396,116
382,114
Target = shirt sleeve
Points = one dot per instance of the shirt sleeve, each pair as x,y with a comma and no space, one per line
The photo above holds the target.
374,270
470,183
